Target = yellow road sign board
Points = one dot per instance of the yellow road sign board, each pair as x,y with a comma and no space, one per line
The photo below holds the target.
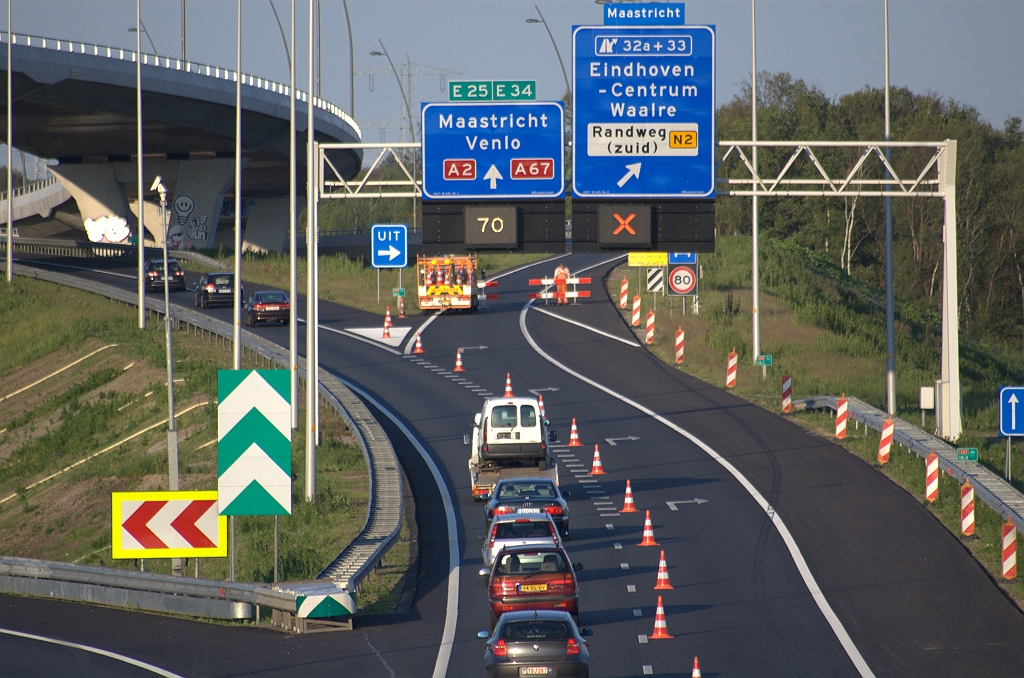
167,525
652,259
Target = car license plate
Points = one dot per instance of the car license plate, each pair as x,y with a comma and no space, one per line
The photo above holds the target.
273,308
536,670
528,510
533,588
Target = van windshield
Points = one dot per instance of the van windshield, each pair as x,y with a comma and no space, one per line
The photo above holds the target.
503,416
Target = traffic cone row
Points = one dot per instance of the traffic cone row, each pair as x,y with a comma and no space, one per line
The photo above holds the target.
418,348
663,583
458,362
596,469
508,386
660,627
574,436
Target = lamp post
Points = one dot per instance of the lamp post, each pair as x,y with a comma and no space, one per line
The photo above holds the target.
408,113
754,226
890,313
172,431
142,26
10,160
140,235
553,44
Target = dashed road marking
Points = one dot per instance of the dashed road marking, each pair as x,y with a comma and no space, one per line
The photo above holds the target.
624,566
642,639
637,612
618,545
648,670
609,526
630,588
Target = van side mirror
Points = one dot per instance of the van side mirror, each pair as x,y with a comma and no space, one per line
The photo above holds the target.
465,439
586,632
577,566
483,572
547,422
484,635
552,436
476,419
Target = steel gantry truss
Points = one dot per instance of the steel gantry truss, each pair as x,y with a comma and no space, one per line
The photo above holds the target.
334,185
861,169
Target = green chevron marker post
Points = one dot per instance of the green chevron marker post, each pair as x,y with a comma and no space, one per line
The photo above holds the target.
254,443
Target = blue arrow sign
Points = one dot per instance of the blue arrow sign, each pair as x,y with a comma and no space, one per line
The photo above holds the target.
389,246
493,151
1011,411
644,112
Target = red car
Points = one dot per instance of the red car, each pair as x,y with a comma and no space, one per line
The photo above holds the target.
532,578
267,307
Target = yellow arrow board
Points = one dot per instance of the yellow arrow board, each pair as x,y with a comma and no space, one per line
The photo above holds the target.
167,525
652,259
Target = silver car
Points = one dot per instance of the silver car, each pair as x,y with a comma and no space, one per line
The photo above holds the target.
519,529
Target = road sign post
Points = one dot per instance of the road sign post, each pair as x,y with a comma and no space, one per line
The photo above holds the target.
967,454
493,151
643,112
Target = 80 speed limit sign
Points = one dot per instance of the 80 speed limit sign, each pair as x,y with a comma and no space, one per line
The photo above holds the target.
682,280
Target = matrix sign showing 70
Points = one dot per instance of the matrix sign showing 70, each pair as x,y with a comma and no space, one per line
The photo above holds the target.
491,227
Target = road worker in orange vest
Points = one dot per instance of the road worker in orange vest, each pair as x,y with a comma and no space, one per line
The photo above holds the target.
561,280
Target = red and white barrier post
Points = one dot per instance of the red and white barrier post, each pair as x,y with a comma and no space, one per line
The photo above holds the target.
787,393
967,509
680,345
730,370
1009,550
650,328
624,293
636,311
885,444
931,477
841,414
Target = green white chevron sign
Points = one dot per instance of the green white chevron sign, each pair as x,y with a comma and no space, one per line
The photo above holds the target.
254,443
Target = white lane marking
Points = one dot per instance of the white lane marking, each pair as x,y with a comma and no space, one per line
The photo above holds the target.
648,669
609,526
627,342
801,565
630,588
609,515
344,333
412,339
603,502
642,639
624,566
444,652
618,545
95,650
637,612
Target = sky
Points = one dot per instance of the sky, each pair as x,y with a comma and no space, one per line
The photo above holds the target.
970,51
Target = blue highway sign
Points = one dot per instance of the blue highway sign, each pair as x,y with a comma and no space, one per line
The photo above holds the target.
644,112
493,151
682,258
1011,411
389,246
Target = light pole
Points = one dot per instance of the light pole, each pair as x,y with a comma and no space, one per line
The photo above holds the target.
172,431
351,65
141,234
408,113
10,159
312,362
236,339
755,264
890,311
142,26
553,44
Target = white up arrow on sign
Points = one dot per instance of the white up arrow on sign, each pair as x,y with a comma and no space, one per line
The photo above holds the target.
391,252
1013,411
493,175
632,171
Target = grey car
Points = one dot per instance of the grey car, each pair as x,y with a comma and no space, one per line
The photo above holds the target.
536,643
518,529
529,495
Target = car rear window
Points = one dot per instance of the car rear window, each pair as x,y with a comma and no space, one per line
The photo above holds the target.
532,563
523,530
221,280
536,629
527,491
527,415
271,297
158,265
503,416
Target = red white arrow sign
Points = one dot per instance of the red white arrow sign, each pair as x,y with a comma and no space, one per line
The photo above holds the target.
167,524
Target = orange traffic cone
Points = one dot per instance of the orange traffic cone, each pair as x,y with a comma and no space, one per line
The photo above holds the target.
458,362
660,627
418,348
540,402
628,506
387,331
596,469
663,583
508,386
648,539
401,307
387,316
574,436
696,668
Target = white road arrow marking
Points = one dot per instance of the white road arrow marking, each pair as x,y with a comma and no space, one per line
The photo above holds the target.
538,391
633,171
673,504
493,175
611,441
391,252
473,348
1013,411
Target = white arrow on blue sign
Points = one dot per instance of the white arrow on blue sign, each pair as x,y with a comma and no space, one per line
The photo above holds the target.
1011,411
643,112
389,246
493,151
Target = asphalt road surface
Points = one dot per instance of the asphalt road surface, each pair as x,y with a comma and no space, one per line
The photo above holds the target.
803,561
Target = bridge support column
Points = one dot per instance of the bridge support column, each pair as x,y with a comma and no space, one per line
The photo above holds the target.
266,225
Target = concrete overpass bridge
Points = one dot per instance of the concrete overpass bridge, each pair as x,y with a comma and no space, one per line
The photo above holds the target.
75,102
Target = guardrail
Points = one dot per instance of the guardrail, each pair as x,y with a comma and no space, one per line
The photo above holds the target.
216,72
82,249
1002,497
340,580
